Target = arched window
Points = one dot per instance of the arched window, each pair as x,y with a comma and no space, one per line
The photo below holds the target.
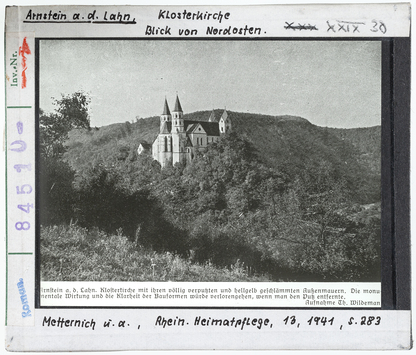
166,144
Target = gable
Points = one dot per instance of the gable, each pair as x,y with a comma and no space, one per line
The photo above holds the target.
224,116
196,128
210,128
190,126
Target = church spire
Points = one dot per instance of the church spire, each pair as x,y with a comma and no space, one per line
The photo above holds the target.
177,117
166,108
178,107
164,118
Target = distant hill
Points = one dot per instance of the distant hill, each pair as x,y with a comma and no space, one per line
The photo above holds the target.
288,143
367,141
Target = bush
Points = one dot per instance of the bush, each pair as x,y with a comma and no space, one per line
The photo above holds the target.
73,253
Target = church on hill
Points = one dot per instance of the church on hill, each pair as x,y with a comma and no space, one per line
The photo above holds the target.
179,139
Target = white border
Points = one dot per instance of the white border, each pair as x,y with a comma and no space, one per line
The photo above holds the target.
184,2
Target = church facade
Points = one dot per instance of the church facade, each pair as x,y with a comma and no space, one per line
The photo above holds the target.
178,139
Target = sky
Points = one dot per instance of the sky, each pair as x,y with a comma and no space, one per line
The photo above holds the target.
330,83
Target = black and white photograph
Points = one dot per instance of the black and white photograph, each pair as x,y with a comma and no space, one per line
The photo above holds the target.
199,177
209,160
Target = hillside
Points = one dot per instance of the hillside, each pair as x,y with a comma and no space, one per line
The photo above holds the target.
290,144
367,141
278,197
296,144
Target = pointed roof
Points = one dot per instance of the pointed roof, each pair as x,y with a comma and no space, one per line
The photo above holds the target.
212,117
166,128
224,115
178,107
166,108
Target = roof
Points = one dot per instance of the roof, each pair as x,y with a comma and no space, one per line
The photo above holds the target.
191,126
224,115
188,143
211,128
212,117
166,108
178,107
166,128
146,145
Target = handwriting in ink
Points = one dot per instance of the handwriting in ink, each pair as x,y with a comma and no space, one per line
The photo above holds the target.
24,49
344,26
300,27
77,17
62,322
355,26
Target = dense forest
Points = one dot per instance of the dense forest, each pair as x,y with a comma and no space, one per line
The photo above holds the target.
278,199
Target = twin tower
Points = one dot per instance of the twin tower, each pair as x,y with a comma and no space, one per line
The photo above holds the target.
178,139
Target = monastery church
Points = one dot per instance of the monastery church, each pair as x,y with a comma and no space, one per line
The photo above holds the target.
178,139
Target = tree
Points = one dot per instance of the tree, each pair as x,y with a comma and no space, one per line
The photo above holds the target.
56,190
56,194
71,112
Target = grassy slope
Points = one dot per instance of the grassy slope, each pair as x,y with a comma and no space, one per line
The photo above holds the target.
71,253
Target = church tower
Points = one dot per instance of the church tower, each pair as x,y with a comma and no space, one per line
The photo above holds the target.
179,139
162,146
178,134
165,116
177,117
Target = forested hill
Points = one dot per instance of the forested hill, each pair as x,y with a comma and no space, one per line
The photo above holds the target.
367,141
289,144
